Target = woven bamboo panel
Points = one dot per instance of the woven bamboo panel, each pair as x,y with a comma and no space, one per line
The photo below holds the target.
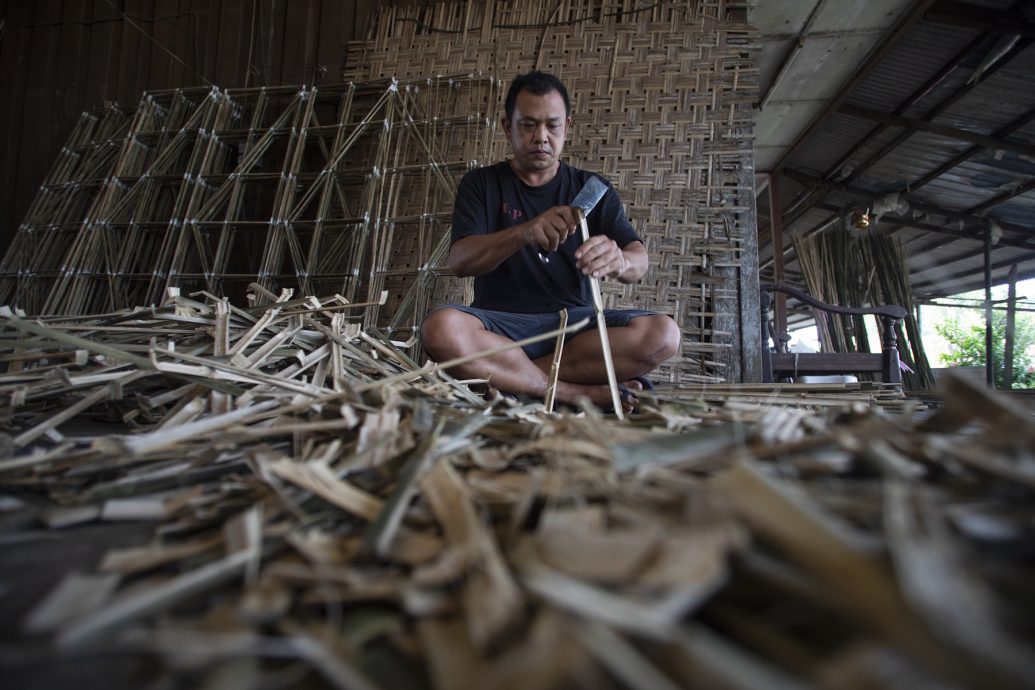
661,101
346,189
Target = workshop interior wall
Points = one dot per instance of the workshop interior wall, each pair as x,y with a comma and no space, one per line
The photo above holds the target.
661,100
344,188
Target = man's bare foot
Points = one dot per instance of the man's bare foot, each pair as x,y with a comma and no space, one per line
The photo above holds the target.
601,395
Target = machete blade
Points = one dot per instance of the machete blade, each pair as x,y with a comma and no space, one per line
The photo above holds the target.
591,192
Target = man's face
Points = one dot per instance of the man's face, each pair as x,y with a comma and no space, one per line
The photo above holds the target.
537,130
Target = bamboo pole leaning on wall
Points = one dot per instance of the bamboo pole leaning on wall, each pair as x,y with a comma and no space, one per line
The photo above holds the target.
871,269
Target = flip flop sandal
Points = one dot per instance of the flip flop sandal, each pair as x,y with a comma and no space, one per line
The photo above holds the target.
625,395
648,386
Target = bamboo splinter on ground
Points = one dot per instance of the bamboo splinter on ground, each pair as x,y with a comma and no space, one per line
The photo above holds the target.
605,344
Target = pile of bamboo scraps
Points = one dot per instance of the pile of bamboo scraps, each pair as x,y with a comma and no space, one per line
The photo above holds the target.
322,507
806,396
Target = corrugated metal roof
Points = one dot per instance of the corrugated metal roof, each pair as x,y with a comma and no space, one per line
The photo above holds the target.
910,65
892,157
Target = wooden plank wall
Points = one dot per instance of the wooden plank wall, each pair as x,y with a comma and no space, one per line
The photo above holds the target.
59,58
662,99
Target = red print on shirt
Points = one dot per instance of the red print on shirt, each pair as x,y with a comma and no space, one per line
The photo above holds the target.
514,213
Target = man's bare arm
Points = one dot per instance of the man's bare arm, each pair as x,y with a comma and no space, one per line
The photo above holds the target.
476,255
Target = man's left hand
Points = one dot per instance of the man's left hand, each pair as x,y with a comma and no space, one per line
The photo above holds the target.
600,257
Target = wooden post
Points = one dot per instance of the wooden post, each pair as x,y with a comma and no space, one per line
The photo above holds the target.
1011,319
989,359
751,346
891,371
776,224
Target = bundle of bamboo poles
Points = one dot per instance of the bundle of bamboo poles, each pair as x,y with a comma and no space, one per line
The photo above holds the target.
323,505
891,286
855,271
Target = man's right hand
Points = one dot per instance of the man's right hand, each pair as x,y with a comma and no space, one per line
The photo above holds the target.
476,255
551,227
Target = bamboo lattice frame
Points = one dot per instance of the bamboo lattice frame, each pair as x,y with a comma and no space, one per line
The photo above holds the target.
345,189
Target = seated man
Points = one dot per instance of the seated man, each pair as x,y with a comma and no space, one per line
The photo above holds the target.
515,232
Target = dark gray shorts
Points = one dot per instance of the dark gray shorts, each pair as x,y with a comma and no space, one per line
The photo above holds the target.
518,326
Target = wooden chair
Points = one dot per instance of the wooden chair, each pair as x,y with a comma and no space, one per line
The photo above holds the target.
779,364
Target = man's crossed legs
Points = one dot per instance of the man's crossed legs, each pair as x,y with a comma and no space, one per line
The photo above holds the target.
640,341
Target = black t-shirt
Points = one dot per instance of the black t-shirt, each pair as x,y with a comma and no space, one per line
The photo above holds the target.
494,198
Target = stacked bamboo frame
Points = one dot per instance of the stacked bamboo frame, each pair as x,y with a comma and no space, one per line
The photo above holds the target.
662,98
346,188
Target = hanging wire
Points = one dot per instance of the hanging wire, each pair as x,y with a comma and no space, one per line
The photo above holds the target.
173,55
593,17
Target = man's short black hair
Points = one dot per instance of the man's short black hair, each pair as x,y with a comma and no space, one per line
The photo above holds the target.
538,84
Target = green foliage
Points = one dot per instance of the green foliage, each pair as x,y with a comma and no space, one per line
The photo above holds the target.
967,342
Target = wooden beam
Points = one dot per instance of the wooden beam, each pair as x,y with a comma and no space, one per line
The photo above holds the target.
941,107
940,230
914,98
941,271
858,169
921,125
956,278
1004,197
939,267
918,205
948,165
977,17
